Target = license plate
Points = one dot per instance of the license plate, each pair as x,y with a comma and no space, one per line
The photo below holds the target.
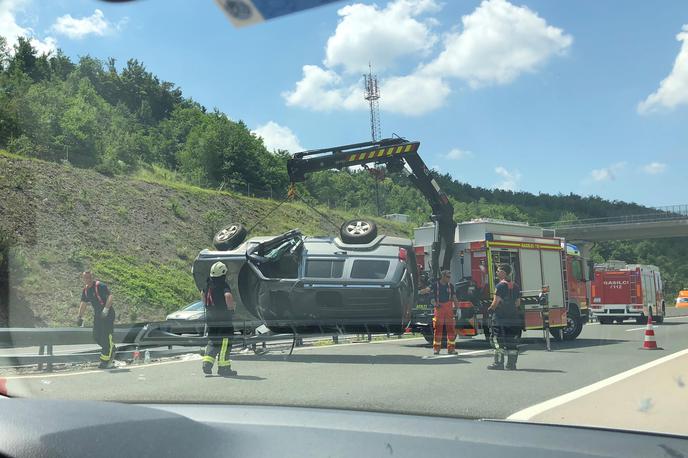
421,307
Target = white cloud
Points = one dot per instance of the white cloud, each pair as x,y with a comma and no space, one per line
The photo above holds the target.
458,154
413,95
654,168
277,137
607,173
499,41
95,24
673,90
322,90
367,34
510,179
11,30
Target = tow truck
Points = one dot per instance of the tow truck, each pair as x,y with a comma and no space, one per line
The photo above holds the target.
398,155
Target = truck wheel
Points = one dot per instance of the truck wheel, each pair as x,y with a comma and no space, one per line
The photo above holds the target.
229,237
604,320
574,325
358,231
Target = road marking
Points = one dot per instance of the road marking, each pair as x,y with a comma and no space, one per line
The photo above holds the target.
532,411
639,329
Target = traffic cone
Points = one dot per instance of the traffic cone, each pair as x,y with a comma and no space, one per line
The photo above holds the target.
649,342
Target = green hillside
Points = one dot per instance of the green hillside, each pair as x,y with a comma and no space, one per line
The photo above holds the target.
139,235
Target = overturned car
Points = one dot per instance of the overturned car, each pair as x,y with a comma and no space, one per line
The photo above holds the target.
357,283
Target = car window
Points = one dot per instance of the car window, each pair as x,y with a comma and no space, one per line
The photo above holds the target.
195,307
369,269
324,268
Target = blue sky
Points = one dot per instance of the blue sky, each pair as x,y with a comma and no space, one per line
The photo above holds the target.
540,96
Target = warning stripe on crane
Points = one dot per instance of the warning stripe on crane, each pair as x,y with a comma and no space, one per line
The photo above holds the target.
390,151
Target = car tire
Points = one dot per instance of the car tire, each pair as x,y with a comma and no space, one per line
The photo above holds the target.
229,237
358,231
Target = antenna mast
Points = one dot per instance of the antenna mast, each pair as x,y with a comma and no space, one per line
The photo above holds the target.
372,95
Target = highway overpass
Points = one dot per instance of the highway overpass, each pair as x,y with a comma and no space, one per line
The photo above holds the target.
661,222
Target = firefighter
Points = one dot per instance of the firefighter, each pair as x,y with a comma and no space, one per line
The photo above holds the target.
219,310
505,320
444,303
98,295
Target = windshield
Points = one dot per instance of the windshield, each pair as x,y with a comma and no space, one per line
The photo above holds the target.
195,307
465,209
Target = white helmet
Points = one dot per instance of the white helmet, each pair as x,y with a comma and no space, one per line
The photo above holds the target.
218,270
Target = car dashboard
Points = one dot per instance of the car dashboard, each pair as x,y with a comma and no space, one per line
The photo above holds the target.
38,428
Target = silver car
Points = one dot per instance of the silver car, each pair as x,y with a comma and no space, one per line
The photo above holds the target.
318,284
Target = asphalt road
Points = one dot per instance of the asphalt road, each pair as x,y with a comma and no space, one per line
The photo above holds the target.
395,375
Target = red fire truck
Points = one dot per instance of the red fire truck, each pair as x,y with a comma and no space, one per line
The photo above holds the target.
537,259
621,291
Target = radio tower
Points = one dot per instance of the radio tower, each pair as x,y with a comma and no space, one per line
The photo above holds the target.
372,95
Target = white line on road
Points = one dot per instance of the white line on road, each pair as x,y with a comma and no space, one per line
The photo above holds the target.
532,411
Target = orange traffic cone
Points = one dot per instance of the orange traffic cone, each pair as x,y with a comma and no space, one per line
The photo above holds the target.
649,342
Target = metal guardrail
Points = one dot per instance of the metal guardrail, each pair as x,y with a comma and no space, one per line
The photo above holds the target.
138,337
658,214
76,358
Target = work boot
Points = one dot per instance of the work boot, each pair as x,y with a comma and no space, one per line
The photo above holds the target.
511,361
436,352
207,368
498,364
226,372
104,365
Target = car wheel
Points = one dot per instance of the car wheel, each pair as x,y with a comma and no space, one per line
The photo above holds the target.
358,231
230,237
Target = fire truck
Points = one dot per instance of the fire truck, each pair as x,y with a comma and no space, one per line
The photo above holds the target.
538,259
620,291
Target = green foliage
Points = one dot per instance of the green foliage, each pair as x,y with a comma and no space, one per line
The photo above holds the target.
146,284
178,210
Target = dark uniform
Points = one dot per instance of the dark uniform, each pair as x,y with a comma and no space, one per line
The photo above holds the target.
97,295
506,324
219,327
